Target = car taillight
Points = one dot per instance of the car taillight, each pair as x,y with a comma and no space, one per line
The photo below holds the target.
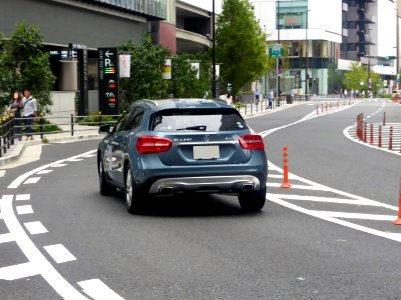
152,144
252,142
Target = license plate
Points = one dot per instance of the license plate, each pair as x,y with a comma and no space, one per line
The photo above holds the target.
206,152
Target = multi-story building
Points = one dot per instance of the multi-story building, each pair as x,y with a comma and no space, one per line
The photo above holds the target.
324,37
179,25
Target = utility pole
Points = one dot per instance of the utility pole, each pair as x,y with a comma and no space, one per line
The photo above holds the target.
214,50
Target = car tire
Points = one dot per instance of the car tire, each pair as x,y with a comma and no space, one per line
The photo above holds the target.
252,201
106,189
133,198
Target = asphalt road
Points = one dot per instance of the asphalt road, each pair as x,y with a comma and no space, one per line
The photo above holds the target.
206,248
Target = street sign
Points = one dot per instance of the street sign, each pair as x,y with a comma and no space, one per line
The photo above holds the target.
276,51
108,80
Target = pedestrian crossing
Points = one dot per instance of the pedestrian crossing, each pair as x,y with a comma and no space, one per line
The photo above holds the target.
333,205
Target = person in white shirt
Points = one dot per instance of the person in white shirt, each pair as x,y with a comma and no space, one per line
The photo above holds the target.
30,112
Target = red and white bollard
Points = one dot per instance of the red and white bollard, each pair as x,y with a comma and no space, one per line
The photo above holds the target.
380,136
390,141
371,134
398,220
286,184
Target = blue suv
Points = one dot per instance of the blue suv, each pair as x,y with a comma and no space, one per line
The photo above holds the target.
177,146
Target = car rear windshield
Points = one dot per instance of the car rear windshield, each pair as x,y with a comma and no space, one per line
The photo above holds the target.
172,120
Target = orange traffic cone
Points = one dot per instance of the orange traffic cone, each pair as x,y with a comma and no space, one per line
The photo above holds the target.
286,184
398,221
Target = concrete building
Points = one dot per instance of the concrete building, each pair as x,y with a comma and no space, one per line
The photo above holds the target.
326,36
70,27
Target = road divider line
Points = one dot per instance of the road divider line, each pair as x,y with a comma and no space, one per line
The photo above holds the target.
17,182
328,200
96,289
391,236
296,186
38,263
346,215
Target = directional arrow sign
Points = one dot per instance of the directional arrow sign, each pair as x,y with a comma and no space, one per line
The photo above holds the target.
108,53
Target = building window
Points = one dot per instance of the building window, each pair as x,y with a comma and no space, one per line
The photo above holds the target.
291,14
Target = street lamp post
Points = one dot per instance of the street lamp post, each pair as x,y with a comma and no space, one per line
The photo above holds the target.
306,55
213,50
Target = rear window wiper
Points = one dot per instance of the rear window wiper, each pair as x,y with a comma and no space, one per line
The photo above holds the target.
199,127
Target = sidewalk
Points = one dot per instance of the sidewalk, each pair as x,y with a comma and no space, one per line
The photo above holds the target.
82,132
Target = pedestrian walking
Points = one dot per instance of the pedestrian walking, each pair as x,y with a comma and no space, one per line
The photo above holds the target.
271,96
29,113
257,96
15,108
345,93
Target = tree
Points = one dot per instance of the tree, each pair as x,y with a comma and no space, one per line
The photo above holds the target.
24,65
184,82
357,75
146,80
240,44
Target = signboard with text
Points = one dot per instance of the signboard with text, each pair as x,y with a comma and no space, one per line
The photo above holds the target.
108,80
276,51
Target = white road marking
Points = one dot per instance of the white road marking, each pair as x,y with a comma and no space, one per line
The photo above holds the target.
35,227
59,165
90,155
23,197
345,215
24,209
38,263
44,172
329,200
19,271
32,180
6,237
59,253
367,144
296,186
17,182
2,173
76,159
96,289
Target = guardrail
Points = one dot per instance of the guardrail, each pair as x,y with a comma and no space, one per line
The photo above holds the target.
15,128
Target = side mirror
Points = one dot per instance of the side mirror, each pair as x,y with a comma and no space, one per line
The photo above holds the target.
104,128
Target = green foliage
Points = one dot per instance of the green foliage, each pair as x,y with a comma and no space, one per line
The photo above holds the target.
24,65
241,45
146,80
95,119
184,83
358,74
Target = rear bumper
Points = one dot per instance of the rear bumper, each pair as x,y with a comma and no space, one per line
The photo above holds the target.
209,184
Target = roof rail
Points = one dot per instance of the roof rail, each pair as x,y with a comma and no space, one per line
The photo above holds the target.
154,102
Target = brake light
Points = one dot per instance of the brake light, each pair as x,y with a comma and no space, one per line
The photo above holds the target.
152,144
252,142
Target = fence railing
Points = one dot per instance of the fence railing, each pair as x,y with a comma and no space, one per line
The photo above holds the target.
12,129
